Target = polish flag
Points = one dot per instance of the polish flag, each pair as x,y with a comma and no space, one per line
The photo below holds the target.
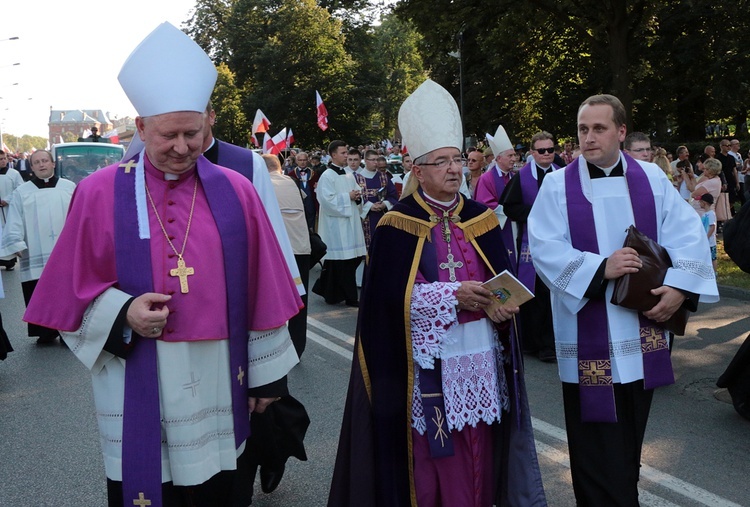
267,143
322,112
261,123
279,142
289,138
253,140
113,136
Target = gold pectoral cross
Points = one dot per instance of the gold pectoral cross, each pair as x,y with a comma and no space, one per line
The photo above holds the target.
451,266
182,272
141,501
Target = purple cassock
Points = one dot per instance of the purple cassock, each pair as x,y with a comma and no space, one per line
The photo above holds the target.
230,248
489,189
376,189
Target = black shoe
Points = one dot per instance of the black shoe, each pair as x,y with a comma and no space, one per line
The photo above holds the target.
270,477
45,340
9,268
547,356
351,303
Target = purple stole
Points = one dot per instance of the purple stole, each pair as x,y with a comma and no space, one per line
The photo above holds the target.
507,231
141,434
235,158
529,191
594,361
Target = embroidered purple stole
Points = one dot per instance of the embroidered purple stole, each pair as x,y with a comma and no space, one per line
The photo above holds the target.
141,435
594,361
507,231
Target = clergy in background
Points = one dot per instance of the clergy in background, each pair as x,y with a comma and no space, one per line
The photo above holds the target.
420,426
610,358
161,283
517,199
492,183
35,219
378,194
10,179
340,228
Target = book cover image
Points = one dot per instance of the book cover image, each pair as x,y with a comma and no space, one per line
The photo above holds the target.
508,290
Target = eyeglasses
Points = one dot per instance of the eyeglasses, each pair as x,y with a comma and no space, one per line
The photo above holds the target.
445,163
642,150
542,151
371,159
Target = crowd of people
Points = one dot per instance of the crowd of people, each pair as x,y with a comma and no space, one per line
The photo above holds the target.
180,279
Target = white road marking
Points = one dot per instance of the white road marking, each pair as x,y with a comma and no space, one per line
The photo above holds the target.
683,488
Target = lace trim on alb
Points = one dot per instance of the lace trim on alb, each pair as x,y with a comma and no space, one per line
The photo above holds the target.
474,390
433,315
697,268
562,281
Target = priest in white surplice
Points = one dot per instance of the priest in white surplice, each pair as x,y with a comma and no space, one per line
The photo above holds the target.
610,358
10,179
340,228
161,282
35,219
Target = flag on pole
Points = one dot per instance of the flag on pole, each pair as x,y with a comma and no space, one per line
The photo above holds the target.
279,142
322,112
261,123
267,143
254,140
388,144
289,138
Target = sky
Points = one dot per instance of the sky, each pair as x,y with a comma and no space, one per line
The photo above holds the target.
70,54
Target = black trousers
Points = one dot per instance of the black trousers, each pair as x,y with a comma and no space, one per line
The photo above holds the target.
338,281
605,458
43,332
298,323
536,321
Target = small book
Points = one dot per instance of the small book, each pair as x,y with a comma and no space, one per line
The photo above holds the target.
507,290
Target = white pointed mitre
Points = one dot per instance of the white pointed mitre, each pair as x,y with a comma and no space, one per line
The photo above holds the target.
168,72
429,119
499,142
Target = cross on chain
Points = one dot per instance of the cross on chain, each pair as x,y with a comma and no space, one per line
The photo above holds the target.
141,501
182,272
451,266
193,384
241,375
130,165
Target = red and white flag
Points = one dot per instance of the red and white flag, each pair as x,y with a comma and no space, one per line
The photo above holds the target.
261,123
254,140
279,142
267,143
322,112
289,138
113,136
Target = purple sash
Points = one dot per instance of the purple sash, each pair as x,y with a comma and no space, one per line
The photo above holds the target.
507,231
529,191
141,445
594,361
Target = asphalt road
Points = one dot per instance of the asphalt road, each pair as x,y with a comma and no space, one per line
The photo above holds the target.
697,450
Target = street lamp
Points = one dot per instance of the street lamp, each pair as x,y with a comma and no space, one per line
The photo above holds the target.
459,56
9,38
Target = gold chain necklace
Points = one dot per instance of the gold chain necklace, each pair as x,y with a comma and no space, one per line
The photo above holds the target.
181,271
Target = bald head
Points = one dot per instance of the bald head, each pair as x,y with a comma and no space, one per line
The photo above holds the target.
272,163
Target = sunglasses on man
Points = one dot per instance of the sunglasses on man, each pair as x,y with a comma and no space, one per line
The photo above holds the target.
542,151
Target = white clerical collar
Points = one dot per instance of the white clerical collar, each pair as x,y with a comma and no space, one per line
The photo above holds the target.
442,203
367,173
608,170
171,177
213,141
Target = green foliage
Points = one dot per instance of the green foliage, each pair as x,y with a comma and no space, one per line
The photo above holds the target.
24,143
231,122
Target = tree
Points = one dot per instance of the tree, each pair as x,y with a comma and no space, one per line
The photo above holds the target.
231,122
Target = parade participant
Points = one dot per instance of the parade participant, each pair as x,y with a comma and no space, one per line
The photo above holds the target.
475,163
638,146
35,219
517,199
378,195
306,180
418,429
245,161
340,228
161,281
610,358
10,179
493,182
